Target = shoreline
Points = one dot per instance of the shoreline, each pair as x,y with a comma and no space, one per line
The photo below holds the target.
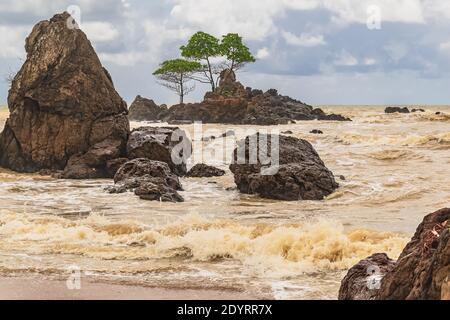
41,288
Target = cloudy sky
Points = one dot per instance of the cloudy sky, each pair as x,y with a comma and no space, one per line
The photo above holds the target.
319,51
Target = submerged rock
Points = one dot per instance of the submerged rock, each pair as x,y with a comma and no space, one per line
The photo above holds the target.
202,170
396,110
150,180
420,273
143,109
316,131
64,109
362,281
300,174
169,145
417,110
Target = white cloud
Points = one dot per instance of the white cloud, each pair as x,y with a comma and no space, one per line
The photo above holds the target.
100,31
345,59
370,61
304,40
262,53
12,41
445,46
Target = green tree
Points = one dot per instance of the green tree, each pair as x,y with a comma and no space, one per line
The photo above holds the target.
176,74
235,51
204,48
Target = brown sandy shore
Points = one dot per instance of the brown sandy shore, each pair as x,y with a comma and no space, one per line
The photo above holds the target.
34,288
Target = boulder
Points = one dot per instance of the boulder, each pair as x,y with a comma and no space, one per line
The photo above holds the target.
417,110
150,180
204,171
169,145
424,264
300,174
316,131
363,280
64,109
396,110
143,109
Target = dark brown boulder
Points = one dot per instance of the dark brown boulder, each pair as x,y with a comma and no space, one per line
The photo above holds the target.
424,264
396,110
63,106
363,280
169,145
143,109
150,180
202,170
300,174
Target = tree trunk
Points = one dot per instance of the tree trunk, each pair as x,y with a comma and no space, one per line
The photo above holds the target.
181,90
211,79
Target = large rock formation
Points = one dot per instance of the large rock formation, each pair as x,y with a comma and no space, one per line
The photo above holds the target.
421,272
297,174
233,104
63,106
169,145
150,180
143,109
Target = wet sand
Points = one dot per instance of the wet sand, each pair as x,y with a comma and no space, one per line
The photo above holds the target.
35,288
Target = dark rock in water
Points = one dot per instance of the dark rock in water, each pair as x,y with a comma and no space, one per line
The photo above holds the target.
424,264
287,132
342,178
396,110
299,175
204,171
169,145
180,122
420,273
143,109
316,131
150,180
63,106
438,113
417,110
229,133
232,103
363,280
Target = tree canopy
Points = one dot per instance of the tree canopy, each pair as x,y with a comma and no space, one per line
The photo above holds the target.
235,51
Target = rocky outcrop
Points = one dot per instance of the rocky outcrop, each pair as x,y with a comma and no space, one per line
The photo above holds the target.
150,180
299,173
363,280
422,270
232,103
396,110
169,145
64,110
423,265
202,170
143,109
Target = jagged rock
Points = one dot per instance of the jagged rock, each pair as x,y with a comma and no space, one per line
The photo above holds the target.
424,264
363,280
299,175
169,145
204,171
396,110
143,109
112,166
150,180
232,103
287,132
64,109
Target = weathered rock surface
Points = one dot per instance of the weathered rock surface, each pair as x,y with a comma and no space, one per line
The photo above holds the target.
64,109
143,109
299,175
422,270
424,264
169,145
232,103
396,110
362,281
202,170
150,180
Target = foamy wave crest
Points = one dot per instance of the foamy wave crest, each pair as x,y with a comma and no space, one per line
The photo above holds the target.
307,247
441,140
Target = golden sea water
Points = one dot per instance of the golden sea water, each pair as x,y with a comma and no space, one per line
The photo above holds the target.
396,169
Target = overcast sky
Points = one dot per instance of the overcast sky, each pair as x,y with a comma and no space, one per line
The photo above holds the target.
318,51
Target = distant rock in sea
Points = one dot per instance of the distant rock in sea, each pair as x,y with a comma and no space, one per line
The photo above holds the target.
143,109
232,103
202,170
396,110
420,273
64,110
